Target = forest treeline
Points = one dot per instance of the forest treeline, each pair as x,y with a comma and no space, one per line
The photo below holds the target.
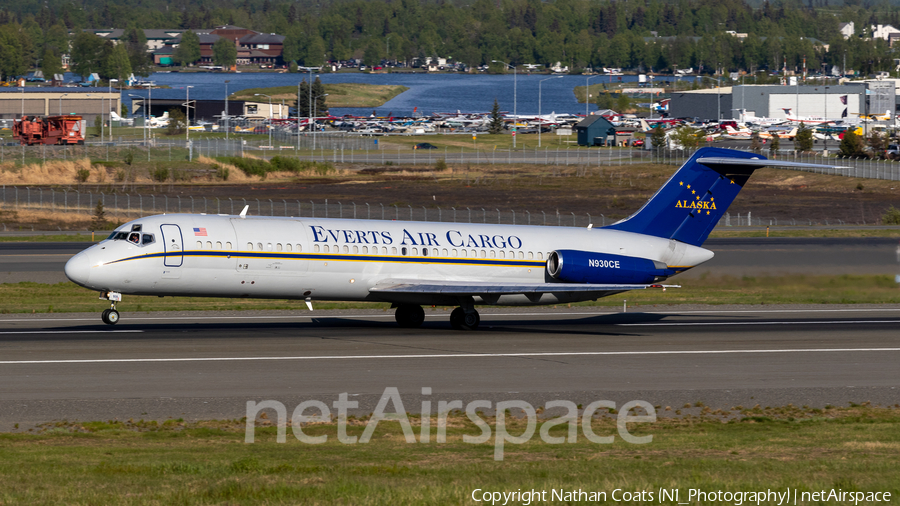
638,34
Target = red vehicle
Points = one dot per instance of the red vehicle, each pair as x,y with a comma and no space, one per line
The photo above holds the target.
50,130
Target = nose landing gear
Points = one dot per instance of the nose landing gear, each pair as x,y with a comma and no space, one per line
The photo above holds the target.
110,316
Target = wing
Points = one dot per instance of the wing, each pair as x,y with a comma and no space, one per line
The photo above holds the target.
473,288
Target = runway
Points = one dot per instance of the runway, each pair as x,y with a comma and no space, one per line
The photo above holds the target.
44,262
208,365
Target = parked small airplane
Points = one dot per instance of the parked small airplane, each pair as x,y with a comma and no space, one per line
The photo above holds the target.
411,264
684,72
127,122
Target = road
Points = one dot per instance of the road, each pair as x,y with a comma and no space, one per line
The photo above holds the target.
205,365
44,262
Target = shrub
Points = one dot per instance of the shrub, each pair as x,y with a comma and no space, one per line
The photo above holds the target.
120,175
221,172
82,175
891,216
129,157
160,174
440,165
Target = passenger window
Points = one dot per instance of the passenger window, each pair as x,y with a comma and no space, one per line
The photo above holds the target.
521,254
278,247
502,254
259,246
199,245
299,247
394,250
403,251
208,244
147,239
356,249
383,250
540,256
435,253
530,255
327,249
444,252
218,244
464,253
493,254
483,254
424,252
316,248
415,251
268,246
249,246
346,249
228,245
287,247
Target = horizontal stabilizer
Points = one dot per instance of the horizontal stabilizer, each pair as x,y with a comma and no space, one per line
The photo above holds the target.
758,163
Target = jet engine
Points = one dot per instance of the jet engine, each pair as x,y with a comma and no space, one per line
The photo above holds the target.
573,266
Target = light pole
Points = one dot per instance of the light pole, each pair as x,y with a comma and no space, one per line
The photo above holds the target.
226,110
270,115
316,105
22,89
60,102
515,98
102,126
587,95
187,116
827,133
298,117
541,118
143,113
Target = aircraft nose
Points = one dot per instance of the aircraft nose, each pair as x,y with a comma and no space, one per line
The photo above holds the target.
78,268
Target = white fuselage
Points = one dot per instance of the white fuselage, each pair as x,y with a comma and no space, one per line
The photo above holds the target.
343,259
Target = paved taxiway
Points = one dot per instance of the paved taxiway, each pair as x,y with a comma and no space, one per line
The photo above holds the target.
207,365
44,262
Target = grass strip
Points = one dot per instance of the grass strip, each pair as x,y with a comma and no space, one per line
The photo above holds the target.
138,462
28,297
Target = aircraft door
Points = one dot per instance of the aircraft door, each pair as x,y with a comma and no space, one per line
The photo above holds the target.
173,244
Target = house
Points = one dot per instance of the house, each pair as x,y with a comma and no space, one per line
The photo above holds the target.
252,47
883,31
595,130
847,29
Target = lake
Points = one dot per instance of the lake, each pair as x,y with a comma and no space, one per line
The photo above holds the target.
427,92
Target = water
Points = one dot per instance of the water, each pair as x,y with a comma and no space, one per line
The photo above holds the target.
427,92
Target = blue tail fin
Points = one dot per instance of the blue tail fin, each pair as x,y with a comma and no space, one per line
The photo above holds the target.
690,204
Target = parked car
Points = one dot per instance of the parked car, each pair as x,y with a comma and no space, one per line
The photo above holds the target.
892,152
424,145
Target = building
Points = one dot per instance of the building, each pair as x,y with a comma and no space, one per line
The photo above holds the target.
595,130
775,101
155,38
847,30
211,110
88,103
883,31
252,47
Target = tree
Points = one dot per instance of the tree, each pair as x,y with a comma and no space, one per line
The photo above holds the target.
87,53
136,48
51,64
188,50
774,145
852,145
224,53
320,107
689,137
372,55
604,101
878,144
12,61
803,141
496,126
177,122
117,64
98,222
755,145
658,137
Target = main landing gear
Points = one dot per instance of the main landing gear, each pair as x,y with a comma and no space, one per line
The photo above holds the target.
410,316
110,316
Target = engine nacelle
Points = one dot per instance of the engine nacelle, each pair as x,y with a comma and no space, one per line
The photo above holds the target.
573,266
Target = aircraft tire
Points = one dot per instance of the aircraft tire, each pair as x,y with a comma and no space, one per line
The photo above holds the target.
410,316
112,317
460,320
104,315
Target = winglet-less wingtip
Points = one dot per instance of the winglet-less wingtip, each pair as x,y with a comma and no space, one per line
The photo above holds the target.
244,212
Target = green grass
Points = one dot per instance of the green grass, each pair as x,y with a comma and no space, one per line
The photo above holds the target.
55,238
339,94
138,462
29,297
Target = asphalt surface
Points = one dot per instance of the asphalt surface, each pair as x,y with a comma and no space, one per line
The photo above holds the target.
209,365
44,262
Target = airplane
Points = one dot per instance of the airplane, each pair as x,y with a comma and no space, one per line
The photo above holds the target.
160,122
684,72
532,66
612,71
125,122
875,117
410,264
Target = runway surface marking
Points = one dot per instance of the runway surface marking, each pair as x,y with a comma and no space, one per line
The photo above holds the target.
446,355
442,315
704,324
123,331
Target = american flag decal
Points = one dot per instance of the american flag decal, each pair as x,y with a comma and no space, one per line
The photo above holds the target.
199,232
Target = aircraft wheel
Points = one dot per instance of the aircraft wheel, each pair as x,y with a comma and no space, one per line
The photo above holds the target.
410,316
460,320
104,316
110,316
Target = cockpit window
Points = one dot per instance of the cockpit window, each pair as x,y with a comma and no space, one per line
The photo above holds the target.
148,239
136,227
134,237
118,236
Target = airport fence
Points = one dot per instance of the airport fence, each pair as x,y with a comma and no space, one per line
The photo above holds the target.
346,148
121,207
